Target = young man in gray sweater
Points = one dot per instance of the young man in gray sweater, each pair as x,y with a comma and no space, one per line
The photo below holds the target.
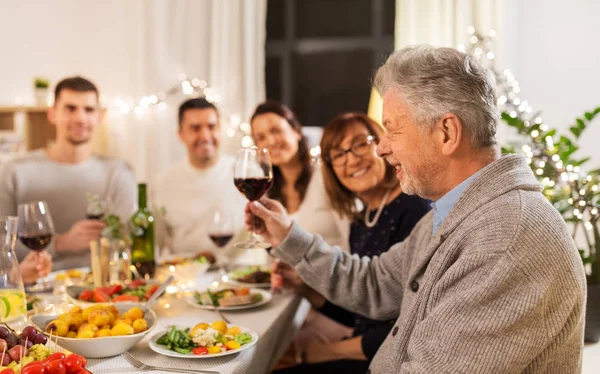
63,174
490,280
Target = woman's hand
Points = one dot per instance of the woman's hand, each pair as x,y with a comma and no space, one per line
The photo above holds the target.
35,265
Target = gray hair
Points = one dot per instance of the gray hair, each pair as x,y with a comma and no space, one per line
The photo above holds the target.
435,81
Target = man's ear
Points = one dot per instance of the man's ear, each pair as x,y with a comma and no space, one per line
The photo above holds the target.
450,131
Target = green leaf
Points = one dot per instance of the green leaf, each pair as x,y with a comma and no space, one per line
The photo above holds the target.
597,110
589,116
579,162
575,131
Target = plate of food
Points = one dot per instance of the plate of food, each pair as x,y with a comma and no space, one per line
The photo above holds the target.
203,340
251,276
137,291
187,266
230,298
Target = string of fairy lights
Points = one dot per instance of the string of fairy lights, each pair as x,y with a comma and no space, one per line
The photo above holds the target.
570,189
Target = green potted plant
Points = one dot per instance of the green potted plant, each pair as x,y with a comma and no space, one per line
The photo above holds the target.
575,194
41,86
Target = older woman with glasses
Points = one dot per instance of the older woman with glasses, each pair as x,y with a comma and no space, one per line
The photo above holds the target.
362,187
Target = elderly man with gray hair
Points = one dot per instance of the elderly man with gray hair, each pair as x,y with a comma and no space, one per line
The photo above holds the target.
490,281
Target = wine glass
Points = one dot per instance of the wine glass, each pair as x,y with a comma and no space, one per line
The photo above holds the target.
253,176
35,232
220,231
96,207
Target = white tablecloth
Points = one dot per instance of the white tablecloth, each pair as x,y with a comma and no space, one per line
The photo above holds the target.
276,323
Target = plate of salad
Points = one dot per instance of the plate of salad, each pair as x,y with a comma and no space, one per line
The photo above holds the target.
230,298
251,276
137,291
203,340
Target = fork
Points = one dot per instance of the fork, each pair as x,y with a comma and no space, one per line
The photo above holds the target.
143,367
216,309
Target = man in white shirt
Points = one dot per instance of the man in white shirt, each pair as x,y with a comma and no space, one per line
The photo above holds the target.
65,172
194,189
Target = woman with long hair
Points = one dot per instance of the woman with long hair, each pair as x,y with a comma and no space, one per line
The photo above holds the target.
297,183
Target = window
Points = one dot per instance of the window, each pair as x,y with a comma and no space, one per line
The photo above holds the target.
321,54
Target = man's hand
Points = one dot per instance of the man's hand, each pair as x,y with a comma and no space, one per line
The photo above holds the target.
78,238
292,280
269,219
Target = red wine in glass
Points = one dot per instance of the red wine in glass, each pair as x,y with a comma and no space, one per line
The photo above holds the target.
221,240
35,231
95,216
253,188
36,242
253,176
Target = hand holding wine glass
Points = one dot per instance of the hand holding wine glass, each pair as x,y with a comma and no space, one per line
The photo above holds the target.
273,222
36,230
253,176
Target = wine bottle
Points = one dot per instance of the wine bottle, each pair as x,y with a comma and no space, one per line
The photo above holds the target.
142,236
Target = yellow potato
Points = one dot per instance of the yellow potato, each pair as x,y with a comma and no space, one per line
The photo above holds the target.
85,334
57,327
88,327
126,321
220,326
140,325
104,332
86,312
122,329
71,334
114,311
232,344
233,331
200,326
74,320
76,309
105,327
134,313
99,317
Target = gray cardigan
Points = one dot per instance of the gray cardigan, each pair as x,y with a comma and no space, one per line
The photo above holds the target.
499,288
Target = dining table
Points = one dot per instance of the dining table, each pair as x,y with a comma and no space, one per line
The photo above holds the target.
275,322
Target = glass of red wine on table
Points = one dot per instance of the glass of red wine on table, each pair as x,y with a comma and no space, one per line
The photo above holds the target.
35,231
253,176
220,231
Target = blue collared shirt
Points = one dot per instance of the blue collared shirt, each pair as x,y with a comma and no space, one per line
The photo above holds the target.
443,206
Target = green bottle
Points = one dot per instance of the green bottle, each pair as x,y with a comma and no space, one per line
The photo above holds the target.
142,236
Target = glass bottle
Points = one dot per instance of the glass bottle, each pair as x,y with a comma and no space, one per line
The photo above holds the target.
13,307
142,235
120,261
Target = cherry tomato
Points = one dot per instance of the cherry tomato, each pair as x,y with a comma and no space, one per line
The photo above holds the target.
200,351
136,283
55,356
55,367
73,363
86,295
100,296
132,298
83,361
7,371
151,291
36,367
241,291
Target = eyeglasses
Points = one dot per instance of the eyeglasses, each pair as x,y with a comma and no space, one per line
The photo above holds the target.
359,147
